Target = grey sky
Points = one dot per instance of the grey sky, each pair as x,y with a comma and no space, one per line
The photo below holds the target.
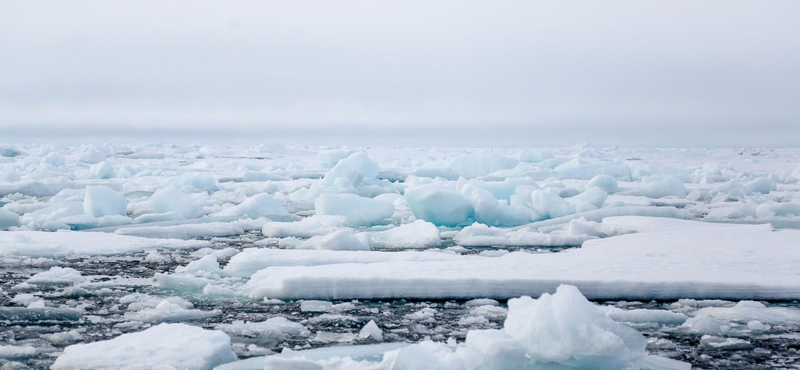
665,73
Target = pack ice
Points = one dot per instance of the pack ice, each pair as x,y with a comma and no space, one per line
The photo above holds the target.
176,233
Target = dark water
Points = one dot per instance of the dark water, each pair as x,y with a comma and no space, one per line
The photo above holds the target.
101,317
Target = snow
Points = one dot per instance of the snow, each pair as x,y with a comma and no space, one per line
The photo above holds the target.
702,261
47,244
103,201
360,211
170,199
173,346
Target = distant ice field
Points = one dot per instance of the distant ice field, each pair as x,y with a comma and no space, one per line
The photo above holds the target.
381,258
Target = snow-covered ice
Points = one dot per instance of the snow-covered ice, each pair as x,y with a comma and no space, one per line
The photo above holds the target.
168,346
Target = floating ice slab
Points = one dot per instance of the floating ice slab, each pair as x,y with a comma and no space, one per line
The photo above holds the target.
706,261
252,260
305,228
416,235
188,231
64,243
168,346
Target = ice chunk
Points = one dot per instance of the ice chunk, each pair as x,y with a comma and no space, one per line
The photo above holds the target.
438,206
154,257
566,327
197,181
167,311
471,166
260,205
57,275
351,171
477,235
746,311
720,343
606,183
315,306
704,324
170,199
340,240
103,201
559,331
576,170
503,190
329,158
490,211
173,346
549,204
64,338
8,219
38,315
591,198
761,185
766,210
731,190
305,228
10,352
207,263
659,189
643,316
359,211
418,234
92,156
535,155
54,159
102,170
371,330
270,332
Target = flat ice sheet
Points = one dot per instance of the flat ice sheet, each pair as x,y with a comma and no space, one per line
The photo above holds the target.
49,244
669,259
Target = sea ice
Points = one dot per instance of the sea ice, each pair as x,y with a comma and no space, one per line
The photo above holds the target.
167,346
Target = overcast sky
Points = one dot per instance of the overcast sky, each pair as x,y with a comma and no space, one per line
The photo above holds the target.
668,73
